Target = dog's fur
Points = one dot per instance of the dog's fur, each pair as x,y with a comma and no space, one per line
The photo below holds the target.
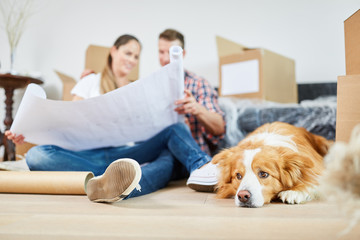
341,179
276,161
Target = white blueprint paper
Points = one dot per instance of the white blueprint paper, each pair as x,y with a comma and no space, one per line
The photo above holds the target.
135,112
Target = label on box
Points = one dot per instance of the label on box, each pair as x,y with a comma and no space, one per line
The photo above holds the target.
239,78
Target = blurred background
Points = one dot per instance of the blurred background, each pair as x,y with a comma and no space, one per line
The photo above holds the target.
58,32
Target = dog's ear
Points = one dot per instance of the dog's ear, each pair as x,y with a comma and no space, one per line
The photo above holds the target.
222,156
296,170
225,160
319,143
323,145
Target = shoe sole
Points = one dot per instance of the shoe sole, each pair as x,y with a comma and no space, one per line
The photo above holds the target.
111,186
202,188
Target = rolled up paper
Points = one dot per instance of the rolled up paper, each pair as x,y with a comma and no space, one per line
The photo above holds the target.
44,182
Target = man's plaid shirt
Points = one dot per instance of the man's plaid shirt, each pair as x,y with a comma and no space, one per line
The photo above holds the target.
208,97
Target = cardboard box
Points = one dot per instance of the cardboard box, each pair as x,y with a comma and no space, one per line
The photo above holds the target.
22,149
348,106
68,83
95,59
352,43
348,87
255,73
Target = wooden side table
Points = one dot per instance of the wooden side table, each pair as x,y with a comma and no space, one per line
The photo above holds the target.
9,83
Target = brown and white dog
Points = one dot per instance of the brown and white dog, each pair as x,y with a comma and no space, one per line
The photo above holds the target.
276,161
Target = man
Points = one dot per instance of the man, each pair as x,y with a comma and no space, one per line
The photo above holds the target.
203,114
200,103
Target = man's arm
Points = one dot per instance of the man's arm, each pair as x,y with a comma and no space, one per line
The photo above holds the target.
212,121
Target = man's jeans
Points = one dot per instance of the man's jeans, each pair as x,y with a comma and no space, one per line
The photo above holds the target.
159,155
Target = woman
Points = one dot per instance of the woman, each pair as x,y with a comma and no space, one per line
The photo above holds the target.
123,57
158,155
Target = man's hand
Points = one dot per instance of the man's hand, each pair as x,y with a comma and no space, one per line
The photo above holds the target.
212,121
17,139
188,105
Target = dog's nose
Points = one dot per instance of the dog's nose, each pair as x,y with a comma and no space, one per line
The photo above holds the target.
243,196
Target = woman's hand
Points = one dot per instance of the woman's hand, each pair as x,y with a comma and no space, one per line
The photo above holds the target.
17,139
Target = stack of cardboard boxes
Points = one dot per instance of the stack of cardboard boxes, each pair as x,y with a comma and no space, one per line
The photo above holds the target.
348,87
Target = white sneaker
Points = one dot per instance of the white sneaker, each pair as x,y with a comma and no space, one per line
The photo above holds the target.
118,181
204,179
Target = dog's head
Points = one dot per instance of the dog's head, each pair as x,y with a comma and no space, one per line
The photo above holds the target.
255,173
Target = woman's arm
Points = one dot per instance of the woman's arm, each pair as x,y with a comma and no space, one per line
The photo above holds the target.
17,139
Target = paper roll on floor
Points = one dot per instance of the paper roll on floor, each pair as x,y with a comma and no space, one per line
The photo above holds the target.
44,182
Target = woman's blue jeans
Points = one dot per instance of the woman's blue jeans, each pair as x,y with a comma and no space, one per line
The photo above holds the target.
161,154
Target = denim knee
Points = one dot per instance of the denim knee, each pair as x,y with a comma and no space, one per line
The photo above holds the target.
35,157
180,127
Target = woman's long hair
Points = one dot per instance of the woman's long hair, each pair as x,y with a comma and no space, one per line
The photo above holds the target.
107,82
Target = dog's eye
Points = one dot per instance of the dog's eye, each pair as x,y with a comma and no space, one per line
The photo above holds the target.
263,174
238,176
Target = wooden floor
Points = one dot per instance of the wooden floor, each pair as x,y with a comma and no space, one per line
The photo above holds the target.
176,212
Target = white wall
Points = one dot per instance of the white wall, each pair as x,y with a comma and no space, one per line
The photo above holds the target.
309,31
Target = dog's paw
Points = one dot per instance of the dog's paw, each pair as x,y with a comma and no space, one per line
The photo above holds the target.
294,197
